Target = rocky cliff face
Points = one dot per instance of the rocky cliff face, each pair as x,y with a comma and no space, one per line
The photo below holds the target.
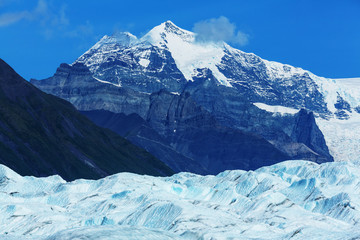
77,85
177,122
200,98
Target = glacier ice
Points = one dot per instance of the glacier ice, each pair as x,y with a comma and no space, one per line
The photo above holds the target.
289,200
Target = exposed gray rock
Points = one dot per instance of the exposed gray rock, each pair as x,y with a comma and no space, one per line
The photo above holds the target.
76,85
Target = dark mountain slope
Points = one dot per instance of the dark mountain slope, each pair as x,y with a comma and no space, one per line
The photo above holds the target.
41,134
139,132
188,138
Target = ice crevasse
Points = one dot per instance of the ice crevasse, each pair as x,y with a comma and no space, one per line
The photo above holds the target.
289,200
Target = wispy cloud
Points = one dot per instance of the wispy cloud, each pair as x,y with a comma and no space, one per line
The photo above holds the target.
5,2
48,14
82,30
42,13
219,29
51,18
7,19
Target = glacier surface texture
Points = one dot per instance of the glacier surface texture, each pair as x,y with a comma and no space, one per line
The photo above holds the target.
289,200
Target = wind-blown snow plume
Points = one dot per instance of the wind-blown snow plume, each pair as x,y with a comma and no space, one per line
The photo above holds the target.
219,29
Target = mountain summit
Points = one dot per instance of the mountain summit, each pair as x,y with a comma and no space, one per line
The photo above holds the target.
124,39
166,33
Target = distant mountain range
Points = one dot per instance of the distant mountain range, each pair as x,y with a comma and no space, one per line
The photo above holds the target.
43,135
205,107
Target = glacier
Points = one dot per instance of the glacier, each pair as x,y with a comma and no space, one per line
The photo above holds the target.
289,200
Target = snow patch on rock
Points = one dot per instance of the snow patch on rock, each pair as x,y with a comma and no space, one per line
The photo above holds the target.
276,109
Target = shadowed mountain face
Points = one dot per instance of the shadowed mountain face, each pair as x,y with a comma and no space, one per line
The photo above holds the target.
139,132
42,135
188,138
198,144
197,103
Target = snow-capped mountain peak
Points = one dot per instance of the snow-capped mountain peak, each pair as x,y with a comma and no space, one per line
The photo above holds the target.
165,32
229,66
189,55
124,39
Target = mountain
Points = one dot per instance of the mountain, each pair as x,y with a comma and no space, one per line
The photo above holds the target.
194,147
289,200
140,133
42,135
183,88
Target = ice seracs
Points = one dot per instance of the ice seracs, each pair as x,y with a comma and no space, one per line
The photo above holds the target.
289,200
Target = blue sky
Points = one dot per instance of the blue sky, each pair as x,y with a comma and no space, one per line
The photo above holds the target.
320,36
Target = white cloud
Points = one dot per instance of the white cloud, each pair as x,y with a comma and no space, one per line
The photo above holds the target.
51,18
219,29
42,13
241,38
11,18
5,2
82,30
